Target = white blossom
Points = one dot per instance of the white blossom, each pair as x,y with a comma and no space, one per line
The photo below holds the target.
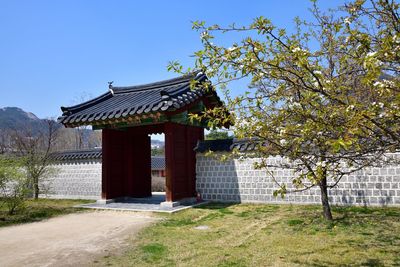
283,142
351,107
203,35
378,84
388,82
396,39
296,104
317,72
321,163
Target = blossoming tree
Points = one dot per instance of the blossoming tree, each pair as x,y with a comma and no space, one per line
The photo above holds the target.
325,96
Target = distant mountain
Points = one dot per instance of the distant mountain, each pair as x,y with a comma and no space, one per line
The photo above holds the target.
14,118
156,143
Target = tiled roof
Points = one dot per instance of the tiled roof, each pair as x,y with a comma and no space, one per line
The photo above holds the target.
227,145
157,163
94,153
123,102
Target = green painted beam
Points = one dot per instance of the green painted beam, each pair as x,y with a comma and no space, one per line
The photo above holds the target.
181,118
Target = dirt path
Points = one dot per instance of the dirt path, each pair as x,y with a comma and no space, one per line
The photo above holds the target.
70,240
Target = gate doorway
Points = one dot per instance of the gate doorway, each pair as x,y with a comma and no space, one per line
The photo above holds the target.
128,115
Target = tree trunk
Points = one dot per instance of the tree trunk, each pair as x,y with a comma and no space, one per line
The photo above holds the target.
325,201
36,188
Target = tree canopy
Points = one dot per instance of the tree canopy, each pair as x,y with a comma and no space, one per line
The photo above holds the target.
325,95
217,135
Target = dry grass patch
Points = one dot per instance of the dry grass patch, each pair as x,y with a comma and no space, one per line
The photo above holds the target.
268,235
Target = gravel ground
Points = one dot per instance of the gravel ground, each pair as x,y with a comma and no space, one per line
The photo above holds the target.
70,240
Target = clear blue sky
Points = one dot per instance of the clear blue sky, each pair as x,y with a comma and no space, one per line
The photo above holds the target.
54,52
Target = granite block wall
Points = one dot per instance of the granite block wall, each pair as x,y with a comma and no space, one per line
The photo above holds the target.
238,181
81,179
74,179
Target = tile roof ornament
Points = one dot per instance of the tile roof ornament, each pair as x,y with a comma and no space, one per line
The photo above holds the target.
110,88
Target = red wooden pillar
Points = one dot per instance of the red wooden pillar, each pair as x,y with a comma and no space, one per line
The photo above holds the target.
180,157
140,166
126,164
193,135
105,183
113,171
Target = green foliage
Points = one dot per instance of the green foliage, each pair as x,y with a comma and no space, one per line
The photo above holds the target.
13,184
157,151
35,151
218,135
324,96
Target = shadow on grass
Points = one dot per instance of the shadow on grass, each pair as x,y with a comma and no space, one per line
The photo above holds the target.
41,209
214,210
324,263
364,216
28,216
220,206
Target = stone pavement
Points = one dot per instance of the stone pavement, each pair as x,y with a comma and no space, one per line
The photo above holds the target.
140,204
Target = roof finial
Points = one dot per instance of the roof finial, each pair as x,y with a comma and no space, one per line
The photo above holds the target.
110,88
110,84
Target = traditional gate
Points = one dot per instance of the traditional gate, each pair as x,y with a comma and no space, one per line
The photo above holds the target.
128,115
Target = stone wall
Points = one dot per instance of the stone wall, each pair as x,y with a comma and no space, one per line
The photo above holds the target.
74,179
81,179
237,180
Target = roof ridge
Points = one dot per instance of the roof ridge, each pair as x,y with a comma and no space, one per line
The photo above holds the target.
96,149
84,104
155,85
127,89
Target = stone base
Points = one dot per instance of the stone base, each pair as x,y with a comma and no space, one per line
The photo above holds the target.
188,201
105,201
184,201
113,200
170,204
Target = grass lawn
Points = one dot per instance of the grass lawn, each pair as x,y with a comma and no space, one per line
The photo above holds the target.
265,235
37,210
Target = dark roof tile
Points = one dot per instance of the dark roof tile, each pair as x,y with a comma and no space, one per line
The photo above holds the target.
157,163
228,145
121,102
